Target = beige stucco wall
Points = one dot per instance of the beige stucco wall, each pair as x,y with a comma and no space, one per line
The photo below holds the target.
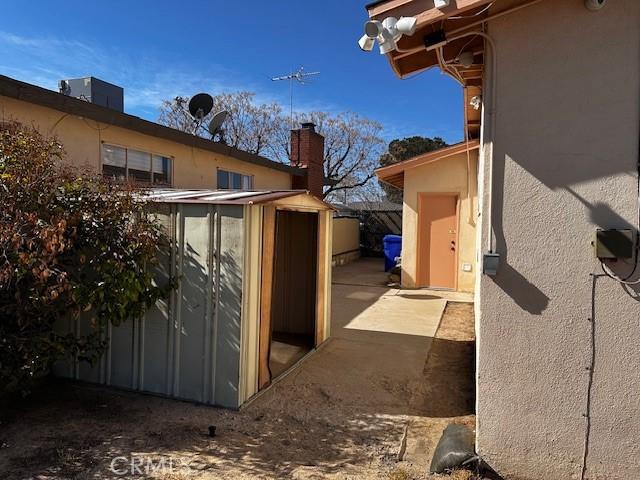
346,235
192,167
346,240
448,175
565,163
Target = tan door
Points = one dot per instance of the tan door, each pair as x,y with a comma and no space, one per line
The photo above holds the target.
437,240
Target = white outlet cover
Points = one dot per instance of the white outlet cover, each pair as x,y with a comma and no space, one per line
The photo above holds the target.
467,267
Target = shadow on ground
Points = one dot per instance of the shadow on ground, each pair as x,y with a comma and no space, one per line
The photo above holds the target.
342,413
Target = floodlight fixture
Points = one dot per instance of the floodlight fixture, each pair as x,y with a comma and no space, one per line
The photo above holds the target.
366,43
373,28
407,25
387,33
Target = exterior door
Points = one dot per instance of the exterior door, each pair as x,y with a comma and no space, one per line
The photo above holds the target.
437,240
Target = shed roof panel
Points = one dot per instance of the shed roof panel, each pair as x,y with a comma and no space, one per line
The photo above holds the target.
225,197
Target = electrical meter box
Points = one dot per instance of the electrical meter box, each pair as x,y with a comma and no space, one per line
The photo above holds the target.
614,243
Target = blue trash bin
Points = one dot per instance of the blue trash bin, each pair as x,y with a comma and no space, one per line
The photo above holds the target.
392,249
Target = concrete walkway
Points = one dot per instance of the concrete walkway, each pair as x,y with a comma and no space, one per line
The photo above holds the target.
366,310
367,381
380,338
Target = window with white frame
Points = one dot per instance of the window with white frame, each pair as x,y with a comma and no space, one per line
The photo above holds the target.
136,166
234,181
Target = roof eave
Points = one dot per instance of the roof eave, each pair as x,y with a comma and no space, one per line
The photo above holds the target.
396,181
427,16
387,174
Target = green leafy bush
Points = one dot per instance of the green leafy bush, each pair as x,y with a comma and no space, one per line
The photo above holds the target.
69,243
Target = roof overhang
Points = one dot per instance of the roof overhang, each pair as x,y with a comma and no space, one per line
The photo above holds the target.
442,34
412,55
394,174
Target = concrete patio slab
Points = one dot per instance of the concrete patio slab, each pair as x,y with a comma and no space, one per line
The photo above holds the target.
370,272
373,309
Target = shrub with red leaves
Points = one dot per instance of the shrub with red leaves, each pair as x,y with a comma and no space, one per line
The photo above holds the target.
70,243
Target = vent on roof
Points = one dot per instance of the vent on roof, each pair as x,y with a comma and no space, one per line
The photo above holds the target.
94,90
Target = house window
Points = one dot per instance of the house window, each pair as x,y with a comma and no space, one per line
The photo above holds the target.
134,165
234,181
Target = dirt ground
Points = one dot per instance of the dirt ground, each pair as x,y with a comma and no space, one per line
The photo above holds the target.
342,414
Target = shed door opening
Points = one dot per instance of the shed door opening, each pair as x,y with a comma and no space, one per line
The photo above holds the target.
293,314
437,240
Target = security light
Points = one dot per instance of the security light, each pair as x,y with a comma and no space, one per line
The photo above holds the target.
441,3
387,33
366,43
373,28
406,25
476,102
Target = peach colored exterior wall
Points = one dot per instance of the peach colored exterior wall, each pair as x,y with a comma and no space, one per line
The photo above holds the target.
82,139
566,149
447,175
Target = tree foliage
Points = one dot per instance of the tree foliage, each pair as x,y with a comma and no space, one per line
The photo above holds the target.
404,149
70,244
352,143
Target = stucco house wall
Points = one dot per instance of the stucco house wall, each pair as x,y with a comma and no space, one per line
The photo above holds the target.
82,139
346,240
566,148
448,175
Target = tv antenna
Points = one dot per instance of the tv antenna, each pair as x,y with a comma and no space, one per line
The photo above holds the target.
300,77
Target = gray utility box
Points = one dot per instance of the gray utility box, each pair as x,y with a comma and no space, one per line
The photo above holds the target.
94,90
490,264
614,243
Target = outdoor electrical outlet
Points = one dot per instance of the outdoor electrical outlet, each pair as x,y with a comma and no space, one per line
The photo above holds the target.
490,264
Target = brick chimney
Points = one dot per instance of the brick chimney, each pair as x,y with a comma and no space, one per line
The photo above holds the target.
307,151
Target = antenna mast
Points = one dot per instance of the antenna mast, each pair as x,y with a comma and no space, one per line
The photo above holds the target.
299,77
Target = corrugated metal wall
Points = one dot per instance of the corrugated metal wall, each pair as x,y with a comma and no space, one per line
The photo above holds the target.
188,346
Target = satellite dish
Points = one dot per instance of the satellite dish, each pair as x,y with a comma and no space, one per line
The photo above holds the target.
200,105
217,121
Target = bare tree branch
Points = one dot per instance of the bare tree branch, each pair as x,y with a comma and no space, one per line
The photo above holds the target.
353,144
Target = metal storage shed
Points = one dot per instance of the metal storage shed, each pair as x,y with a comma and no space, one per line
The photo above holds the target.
253,297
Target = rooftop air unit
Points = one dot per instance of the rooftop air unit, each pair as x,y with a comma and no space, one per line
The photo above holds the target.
94,90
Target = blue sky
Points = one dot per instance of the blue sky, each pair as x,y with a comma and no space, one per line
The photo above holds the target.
160,49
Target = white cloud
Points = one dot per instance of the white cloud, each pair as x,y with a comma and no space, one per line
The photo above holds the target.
146,81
